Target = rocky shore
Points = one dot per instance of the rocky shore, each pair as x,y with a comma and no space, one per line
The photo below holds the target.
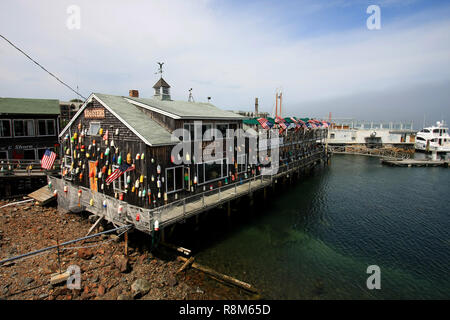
106,273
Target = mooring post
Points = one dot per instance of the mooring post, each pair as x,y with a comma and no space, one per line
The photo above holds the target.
229,213
126,243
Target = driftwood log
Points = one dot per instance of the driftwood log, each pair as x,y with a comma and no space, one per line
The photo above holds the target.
218,276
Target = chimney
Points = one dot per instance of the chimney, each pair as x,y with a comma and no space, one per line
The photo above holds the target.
256,107
134,93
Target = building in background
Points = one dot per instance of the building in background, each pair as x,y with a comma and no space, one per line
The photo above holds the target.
28,127
371,134
68,110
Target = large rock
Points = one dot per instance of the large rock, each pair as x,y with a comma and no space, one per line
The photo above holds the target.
172,281
122,263
85,253
140,288
124,297
101,290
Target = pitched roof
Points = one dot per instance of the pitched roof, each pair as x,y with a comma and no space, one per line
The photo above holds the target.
161,83
186,109
29,106
137,120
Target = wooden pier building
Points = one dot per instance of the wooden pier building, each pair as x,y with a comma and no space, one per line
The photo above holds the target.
159,188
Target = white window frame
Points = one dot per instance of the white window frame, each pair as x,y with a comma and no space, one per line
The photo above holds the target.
69,175
90,125
34,128
244,164
46,128
10,129
175,180
122,180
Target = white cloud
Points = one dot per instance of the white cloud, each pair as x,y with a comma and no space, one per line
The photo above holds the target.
232,58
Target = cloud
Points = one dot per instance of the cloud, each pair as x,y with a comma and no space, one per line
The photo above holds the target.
231,55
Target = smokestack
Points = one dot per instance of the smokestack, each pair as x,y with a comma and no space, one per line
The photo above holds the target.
134,93
256,107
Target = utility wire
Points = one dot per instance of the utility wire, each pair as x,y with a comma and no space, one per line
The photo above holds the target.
43,68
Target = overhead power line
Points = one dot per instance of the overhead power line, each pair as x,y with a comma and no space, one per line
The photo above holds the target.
42,67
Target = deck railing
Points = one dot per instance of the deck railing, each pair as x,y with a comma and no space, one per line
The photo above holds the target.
207,197
22,167
378,152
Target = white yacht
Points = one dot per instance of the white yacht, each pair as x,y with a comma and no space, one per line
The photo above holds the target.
433,138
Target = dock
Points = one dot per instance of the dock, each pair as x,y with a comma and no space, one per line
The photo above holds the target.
122,213
43,195
416,163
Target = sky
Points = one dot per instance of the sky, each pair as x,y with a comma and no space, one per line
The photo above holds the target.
320,54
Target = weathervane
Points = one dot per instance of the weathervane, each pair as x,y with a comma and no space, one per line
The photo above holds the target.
160,70
191,97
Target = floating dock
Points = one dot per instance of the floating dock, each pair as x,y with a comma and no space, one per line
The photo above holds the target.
416,163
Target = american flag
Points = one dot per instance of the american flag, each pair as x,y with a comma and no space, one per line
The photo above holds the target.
264,123
312,124
124,167
280,121
302,123
48,159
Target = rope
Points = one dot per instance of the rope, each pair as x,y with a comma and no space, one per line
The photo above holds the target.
18,202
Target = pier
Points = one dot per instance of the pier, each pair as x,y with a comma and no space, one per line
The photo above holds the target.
122,213
416,163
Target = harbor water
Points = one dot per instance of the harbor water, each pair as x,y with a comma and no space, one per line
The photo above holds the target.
315,239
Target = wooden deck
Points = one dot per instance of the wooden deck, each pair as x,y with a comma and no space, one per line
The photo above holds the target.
185,209
43,195
416,163
188,207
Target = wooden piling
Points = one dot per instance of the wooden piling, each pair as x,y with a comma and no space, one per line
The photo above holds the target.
126,243
219,276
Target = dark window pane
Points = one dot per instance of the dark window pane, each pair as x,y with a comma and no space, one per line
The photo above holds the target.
5,128
29,155
41,153
41,128
50,127
212,171
179,178
18,128
200,168
169,180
